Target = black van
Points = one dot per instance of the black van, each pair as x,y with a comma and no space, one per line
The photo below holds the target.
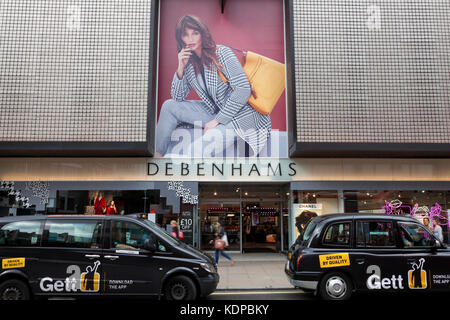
340,253
99,256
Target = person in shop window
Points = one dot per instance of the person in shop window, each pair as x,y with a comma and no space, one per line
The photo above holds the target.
426,223
437,229
176,232
111,210
100,204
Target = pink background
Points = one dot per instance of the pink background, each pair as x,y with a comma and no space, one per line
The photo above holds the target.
255,25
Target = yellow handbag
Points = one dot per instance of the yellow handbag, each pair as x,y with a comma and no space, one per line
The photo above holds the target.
267,80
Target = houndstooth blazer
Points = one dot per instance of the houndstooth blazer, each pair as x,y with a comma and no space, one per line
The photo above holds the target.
229,101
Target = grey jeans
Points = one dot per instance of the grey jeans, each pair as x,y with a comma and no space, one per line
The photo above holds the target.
192,112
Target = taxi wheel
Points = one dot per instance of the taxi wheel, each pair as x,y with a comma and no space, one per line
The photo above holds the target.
335,286
14,290
180,288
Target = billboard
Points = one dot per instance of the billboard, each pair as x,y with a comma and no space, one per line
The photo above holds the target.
221,79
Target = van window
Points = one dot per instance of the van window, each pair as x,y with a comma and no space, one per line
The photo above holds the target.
337,234
373,234
309,229
413,235
72,234
21,234
162,233
128,235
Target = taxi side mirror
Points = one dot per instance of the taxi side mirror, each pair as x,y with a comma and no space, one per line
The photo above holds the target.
437,244
150,244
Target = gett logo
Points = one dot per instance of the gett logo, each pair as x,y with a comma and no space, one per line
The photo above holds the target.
88,281
417,277
375,282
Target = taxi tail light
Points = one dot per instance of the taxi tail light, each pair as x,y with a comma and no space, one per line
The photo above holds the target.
298,260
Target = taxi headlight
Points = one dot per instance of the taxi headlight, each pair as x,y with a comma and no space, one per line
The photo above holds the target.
208,267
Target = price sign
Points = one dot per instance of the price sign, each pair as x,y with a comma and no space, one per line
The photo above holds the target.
186,222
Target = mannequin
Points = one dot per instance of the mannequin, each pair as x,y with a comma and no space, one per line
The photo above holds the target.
100,204
111,210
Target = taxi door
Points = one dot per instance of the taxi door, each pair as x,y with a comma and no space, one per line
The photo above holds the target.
128,268
377,259
439,271
70,257
426,265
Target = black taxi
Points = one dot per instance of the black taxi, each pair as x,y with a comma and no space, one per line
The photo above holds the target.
337,254
75,256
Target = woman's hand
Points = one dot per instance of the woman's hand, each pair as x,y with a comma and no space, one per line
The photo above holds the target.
183,57
210,125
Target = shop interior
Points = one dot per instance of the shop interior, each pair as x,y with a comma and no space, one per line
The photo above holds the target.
255,216
126,201
416,203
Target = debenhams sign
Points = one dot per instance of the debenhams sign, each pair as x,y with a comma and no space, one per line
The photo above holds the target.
214,169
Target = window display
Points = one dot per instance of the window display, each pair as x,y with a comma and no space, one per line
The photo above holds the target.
431,207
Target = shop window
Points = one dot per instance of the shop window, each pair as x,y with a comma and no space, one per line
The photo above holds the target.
73,234
414,235
23,234
375,234
337,234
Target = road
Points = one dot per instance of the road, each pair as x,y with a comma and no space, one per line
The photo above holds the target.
261,294
299,295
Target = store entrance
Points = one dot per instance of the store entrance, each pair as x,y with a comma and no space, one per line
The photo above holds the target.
261,227
255,216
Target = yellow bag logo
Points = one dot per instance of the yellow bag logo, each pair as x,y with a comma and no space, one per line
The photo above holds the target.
334,260
13,263
417,278
90,280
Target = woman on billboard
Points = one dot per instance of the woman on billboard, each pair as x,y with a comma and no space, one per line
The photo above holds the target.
223,105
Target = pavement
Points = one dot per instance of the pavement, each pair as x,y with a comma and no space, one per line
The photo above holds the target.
253,271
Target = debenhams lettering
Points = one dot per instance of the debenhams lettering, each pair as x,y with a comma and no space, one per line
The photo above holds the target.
222,169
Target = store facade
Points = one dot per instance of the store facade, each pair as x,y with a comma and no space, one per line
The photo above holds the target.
362,123
259,212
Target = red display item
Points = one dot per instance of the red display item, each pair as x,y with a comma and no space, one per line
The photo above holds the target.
100,206
111,211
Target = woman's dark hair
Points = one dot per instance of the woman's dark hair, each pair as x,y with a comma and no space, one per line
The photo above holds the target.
208,45
304,218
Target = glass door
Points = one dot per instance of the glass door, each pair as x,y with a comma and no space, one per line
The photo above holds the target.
262,226
255,216
220,204
228,216
264,217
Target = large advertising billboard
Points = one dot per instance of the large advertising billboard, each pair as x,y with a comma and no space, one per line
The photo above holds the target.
221,79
